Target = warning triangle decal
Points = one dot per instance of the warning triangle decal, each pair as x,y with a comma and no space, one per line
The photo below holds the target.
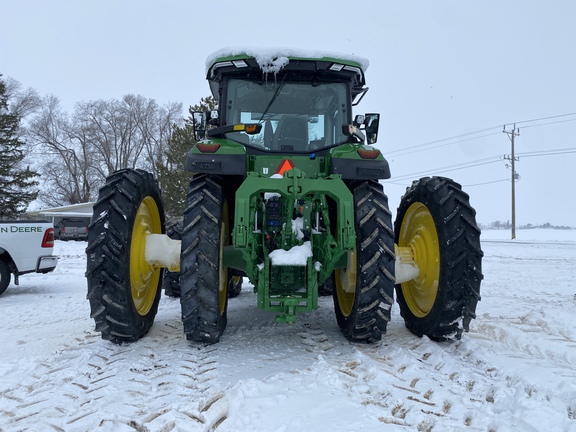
285,165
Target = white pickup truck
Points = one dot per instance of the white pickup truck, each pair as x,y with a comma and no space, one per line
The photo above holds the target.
25,247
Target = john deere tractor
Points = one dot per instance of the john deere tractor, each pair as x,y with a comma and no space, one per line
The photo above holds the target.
286,191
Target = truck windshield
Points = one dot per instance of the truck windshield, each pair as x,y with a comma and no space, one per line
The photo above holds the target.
296,116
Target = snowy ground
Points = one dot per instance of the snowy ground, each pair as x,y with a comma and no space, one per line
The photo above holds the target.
514,371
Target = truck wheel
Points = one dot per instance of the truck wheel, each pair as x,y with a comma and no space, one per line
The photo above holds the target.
123,289
364,290
4,276
171,280
436,222
203,278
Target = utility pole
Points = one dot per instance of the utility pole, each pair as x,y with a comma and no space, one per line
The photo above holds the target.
511,134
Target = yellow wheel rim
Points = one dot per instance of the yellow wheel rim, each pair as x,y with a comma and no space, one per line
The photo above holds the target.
144,278
223,271
419,234
345,280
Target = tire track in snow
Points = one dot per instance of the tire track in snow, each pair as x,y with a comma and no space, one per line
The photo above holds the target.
414,369
414,374
81,387
511,334
448,383
411,366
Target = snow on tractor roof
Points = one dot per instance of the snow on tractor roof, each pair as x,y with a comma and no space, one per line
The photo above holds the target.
272,60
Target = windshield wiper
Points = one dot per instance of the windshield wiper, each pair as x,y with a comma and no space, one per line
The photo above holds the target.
274,96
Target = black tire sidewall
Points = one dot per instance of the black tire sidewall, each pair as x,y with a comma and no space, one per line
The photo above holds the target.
202,318
370,313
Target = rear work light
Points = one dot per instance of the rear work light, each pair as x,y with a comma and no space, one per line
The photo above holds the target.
48,240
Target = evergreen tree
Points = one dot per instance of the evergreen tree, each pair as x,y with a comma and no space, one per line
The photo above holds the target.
172,174
17,184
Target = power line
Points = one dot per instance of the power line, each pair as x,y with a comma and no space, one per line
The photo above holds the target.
485,183
412,149
549,123
543,118
480,162
443,140
547,152
449,168
465,165
438,146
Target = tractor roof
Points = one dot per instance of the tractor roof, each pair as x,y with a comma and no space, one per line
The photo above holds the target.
274,60
273,56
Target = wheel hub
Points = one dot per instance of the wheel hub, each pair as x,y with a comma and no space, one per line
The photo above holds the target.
418,235
144,277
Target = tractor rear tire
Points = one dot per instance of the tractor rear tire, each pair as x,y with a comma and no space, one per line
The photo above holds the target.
364,292
123,289
436,221
203,279
171,280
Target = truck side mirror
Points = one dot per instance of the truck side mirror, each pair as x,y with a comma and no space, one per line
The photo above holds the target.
371,123
199,125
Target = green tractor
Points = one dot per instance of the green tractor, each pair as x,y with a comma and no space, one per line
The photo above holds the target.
286,191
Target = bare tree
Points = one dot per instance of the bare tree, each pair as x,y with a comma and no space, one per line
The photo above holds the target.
23,102
64,153
99,138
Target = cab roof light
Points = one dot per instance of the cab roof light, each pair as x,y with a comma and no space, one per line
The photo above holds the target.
222,64
239,64
337,67
353,69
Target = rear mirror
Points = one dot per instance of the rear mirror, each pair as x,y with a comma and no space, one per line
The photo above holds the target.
199,124
371,123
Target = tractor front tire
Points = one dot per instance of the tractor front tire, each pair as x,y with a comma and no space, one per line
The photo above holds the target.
364,291
437,223
204,281
123,289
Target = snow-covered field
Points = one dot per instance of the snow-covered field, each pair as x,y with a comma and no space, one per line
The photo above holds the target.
514,371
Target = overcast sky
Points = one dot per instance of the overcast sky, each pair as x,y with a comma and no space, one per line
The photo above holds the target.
438,69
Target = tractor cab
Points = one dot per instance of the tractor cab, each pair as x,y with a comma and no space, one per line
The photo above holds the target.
286,105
